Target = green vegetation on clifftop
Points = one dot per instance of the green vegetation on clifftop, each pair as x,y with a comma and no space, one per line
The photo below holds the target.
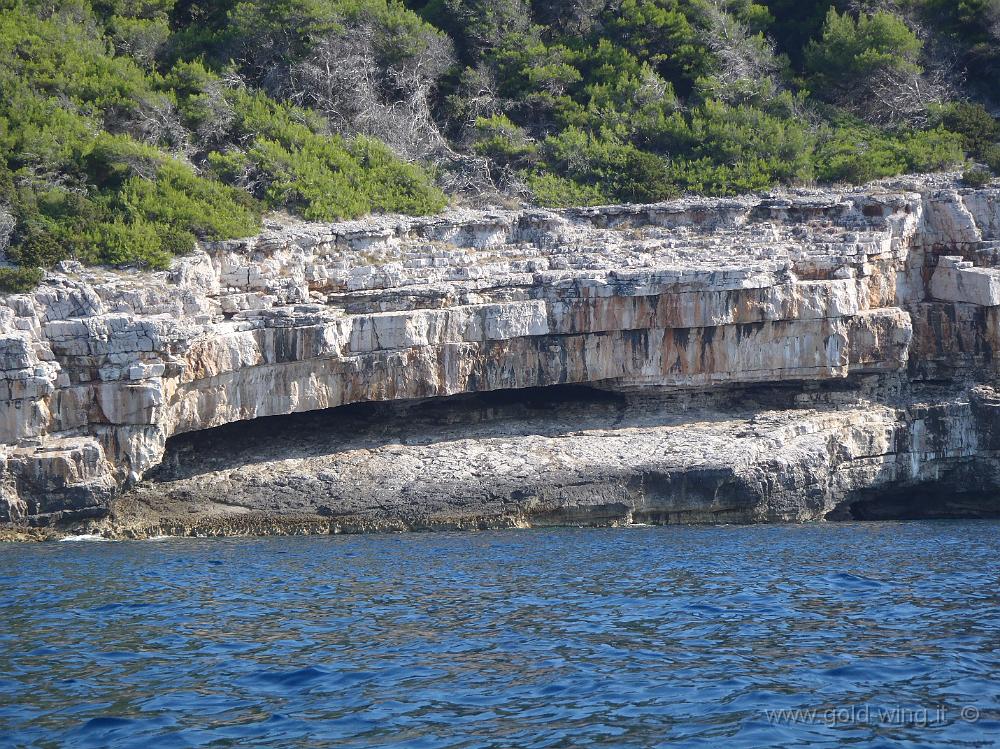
113,153
130,129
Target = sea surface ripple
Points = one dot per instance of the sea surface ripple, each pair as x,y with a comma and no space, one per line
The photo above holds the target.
877,634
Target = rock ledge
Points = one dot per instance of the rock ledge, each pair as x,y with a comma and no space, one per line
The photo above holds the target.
784,357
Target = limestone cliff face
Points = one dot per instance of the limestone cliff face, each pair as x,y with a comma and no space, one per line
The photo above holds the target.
879,308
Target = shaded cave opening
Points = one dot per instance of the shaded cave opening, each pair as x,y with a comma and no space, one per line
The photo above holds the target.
968,491
543,410
551,410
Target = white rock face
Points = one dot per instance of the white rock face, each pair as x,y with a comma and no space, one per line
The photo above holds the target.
99,368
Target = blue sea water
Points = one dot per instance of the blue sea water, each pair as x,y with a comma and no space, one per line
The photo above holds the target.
880,634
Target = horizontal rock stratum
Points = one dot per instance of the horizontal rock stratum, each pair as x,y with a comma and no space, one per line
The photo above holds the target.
783,357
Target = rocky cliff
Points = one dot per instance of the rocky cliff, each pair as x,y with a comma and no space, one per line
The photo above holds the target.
783,357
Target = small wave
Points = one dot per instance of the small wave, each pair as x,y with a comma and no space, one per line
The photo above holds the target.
850,579
857,672
292,678
105,723
84,537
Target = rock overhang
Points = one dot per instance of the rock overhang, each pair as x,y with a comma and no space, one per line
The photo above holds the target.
101,367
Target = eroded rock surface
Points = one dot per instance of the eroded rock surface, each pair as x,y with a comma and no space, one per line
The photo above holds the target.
783,357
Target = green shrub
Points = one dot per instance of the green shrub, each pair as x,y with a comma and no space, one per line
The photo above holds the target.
51,222
608,166
932,150
392,185
858,153
180,199
978,128
664,32
231,167
177,241
19,280
723,149
322,177
60,54
140,38
853,50
503,142
976,178
709,178
38,246
991,155
553,191
310,180
110,160
119,243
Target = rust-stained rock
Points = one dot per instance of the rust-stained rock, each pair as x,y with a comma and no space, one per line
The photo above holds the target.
894,288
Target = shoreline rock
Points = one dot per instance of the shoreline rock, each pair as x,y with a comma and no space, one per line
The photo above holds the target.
860,324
